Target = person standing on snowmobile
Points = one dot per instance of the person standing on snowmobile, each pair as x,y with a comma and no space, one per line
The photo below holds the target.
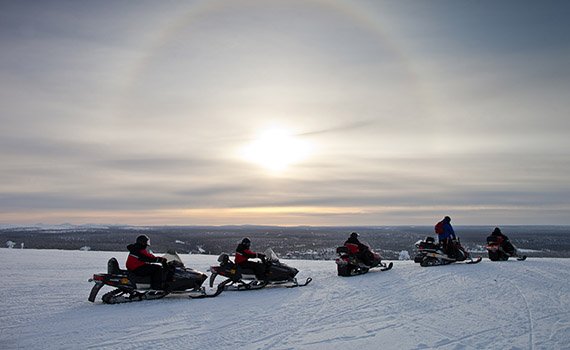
503,240
446,236
244,253
362,251
140,262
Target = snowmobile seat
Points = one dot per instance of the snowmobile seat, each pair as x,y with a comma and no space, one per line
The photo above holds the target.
113,267
224,259
430,243
342,250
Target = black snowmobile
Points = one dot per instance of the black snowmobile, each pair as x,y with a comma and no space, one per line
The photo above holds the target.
431,253
497,251
129,287
348,264
239,278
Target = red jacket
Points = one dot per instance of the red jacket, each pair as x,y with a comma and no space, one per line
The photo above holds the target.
243,254
139,256
352,248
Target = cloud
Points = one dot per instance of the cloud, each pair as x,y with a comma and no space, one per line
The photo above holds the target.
144,109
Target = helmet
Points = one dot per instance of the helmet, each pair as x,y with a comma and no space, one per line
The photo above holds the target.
497,230
354,235
143,240
246,242
447,219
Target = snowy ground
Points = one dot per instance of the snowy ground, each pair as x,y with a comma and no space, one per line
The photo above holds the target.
491,305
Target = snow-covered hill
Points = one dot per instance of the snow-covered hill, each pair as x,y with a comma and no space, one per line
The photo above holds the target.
491,305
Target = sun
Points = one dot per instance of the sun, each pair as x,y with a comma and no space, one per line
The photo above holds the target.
276,150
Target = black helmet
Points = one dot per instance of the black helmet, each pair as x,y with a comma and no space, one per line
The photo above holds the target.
497,230
354,235
143,240
246,242
447,219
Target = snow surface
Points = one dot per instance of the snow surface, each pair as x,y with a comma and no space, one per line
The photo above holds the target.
491,305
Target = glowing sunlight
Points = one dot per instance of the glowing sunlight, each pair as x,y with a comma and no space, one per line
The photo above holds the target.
276,149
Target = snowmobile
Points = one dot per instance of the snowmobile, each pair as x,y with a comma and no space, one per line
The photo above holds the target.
348,264
239,278
498,253
130,287
431,253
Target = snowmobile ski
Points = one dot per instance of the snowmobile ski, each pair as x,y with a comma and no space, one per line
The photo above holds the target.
201,293
474,261
387,267
297,284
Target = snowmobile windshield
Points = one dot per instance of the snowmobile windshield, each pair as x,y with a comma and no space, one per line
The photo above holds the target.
368,245
172,256
270,254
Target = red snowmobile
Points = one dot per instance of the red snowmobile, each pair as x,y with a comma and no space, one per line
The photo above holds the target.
350,264
497,252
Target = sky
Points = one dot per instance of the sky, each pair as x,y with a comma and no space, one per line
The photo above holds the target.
284,112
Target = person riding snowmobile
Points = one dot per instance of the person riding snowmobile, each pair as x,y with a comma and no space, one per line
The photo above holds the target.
446,236
498,237
244,253
141,262
362,251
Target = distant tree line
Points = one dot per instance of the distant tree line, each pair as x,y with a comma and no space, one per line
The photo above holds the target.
553,241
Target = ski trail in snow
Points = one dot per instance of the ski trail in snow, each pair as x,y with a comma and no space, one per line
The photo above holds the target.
450,339
362,303
529,313
282,337
447,338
